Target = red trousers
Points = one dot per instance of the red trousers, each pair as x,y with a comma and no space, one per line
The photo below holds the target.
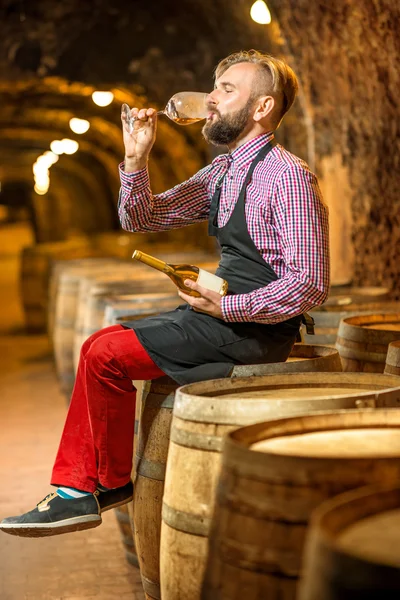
97,442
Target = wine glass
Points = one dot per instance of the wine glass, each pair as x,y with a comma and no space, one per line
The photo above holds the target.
183,108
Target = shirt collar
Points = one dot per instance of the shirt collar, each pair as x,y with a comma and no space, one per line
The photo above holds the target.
245,153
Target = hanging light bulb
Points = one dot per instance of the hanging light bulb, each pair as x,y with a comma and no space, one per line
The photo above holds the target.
259,12
41,190
56,146
51,157
79,125
102,98
69,146
42,179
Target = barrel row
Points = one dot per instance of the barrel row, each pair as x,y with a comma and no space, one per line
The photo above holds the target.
188,431
40,261
229,526
274,475
167,529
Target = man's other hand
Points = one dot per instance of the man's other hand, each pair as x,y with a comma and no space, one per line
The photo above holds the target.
208,303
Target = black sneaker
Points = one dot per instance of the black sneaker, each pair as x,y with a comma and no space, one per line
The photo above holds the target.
117,497
54,515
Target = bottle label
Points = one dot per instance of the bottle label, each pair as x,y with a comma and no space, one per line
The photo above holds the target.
210,281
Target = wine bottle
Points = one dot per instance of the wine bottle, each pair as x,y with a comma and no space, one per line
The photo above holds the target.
178,274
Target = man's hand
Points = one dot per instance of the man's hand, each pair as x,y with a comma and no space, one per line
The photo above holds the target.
139,143
209,302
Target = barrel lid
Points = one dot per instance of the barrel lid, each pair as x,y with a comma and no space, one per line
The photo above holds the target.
245,400
363,523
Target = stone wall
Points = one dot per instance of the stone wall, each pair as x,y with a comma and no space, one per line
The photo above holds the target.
347,54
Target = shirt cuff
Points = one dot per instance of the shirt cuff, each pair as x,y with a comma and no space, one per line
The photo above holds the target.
233,308
138,179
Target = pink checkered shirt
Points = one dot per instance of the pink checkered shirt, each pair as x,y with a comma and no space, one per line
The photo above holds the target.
285,213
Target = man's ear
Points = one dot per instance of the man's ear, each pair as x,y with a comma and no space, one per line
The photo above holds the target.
265,106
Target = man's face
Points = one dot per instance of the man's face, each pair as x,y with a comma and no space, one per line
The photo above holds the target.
231,105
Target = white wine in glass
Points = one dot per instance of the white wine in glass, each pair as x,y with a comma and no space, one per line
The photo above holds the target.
183,108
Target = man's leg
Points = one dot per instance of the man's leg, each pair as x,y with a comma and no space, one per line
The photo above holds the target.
97,441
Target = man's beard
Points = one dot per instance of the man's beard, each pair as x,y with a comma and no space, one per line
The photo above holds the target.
227,129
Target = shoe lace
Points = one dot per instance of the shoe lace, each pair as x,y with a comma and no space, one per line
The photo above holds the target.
47,498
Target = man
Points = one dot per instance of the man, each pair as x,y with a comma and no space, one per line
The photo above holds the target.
265,208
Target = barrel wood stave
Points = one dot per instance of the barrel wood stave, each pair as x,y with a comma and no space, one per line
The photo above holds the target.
352,547
251,530
363,341
199,424
392,362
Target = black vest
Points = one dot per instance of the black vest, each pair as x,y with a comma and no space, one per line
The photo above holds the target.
190,346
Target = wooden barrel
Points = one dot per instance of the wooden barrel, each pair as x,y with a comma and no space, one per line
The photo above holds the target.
273,476
151,458
60,268
353,547
392,363
204,412
99,294
126,276
124,524
304,358
124,513
327,317
120,306
363,341
108,246
35,272
65,287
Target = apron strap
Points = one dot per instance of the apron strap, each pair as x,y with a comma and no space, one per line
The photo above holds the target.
308,321
214,206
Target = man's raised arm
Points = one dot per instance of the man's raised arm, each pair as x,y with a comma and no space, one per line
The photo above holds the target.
138,208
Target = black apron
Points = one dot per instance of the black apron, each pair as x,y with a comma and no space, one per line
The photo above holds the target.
190,346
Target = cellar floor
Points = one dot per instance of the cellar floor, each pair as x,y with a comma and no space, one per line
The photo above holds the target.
79,566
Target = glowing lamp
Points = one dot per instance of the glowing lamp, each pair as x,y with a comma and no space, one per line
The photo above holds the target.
259,12
79,126
102,98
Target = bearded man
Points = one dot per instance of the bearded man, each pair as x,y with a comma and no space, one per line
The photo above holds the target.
265,208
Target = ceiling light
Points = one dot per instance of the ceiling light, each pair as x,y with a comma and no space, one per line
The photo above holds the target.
79,125
57,147
102,98
69,146
259,12
41,190
42,179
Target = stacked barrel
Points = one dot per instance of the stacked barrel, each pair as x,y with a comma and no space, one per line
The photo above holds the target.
252,486
253,456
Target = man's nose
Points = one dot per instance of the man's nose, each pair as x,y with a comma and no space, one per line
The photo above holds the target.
211,99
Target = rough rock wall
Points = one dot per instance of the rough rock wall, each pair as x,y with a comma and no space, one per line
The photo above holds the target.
347,55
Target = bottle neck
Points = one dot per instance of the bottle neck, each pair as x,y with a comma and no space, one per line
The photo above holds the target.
156,263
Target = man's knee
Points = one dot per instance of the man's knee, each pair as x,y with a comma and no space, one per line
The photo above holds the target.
95,336
97,353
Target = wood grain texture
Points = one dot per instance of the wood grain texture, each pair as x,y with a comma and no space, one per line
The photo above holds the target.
265,498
